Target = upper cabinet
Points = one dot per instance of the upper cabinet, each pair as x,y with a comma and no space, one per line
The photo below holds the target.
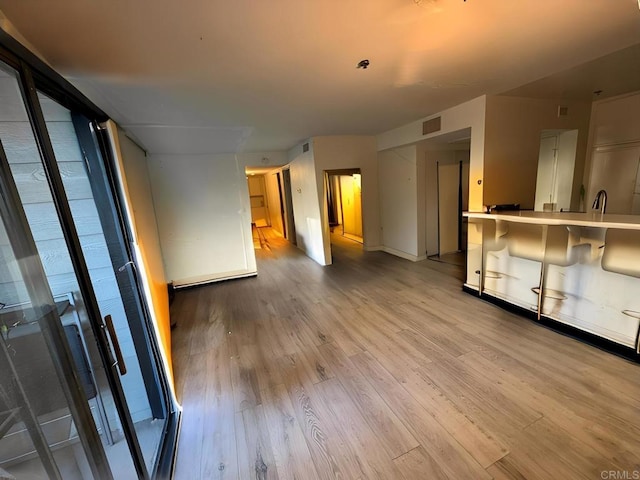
616,120
615,153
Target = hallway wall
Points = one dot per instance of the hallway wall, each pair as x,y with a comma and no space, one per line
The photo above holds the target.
339,152
204,217
306,205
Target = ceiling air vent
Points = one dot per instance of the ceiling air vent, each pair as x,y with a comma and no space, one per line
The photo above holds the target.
430,126
305,147
563,111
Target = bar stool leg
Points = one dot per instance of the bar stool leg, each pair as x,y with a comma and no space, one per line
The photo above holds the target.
541,289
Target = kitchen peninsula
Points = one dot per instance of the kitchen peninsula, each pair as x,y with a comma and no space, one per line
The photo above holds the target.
580,269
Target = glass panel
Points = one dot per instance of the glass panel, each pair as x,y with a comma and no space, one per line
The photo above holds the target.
38,435
115,297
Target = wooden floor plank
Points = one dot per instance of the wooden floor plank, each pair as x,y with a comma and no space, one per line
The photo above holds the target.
219,454
255,456
418,464
328,452
290,451
193,413
437,441
377,367
393,435
375,461
588,431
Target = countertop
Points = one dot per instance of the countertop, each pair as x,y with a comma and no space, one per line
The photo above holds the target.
626,222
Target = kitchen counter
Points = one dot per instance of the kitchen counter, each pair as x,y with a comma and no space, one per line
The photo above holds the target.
578,269
625,222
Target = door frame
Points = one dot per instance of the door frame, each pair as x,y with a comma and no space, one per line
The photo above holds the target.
118,239
282,205
288,196
342,172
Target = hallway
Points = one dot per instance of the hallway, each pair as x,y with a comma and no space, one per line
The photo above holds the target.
376,367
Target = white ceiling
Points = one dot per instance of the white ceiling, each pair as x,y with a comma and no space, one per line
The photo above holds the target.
213,76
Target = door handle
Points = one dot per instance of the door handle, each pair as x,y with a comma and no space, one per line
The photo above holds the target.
122,367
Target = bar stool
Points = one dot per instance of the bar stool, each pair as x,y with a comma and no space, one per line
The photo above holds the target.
494,238
550,245
622,255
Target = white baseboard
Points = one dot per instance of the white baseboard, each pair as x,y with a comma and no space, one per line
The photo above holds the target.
405,255
203,280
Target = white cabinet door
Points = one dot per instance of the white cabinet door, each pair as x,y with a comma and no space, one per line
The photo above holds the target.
616,171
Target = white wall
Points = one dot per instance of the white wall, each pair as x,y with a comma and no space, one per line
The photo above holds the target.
204,217
470,114
308,189
148,252
399,174
307,209
512,146
409,197
135,163
339,152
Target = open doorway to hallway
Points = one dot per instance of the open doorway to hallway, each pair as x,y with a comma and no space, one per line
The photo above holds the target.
271,204
258,201
447,184
453,199
344,203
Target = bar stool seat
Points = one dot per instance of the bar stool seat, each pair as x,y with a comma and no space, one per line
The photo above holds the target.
550,245
622,255
494,238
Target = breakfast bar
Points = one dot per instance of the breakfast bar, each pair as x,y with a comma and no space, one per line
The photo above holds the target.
579,269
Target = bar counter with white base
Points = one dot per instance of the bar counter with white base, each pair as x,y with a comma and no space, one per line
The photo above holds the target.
579,269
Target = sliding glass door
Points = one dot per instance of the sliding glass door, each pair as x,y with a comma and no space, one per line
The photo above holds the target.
109,267
48,391
82,393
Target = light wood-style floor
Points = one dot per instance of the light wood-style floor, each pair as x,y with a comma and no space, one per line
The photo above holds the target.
376,367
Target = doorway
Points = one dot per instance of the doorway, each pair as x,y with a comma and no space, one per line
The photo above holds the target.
289,224
556,162
344,203
446,185
453,199
258,200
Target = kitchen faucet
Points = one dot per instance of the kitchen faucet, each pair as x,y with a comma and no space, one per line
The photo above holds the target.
596,202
